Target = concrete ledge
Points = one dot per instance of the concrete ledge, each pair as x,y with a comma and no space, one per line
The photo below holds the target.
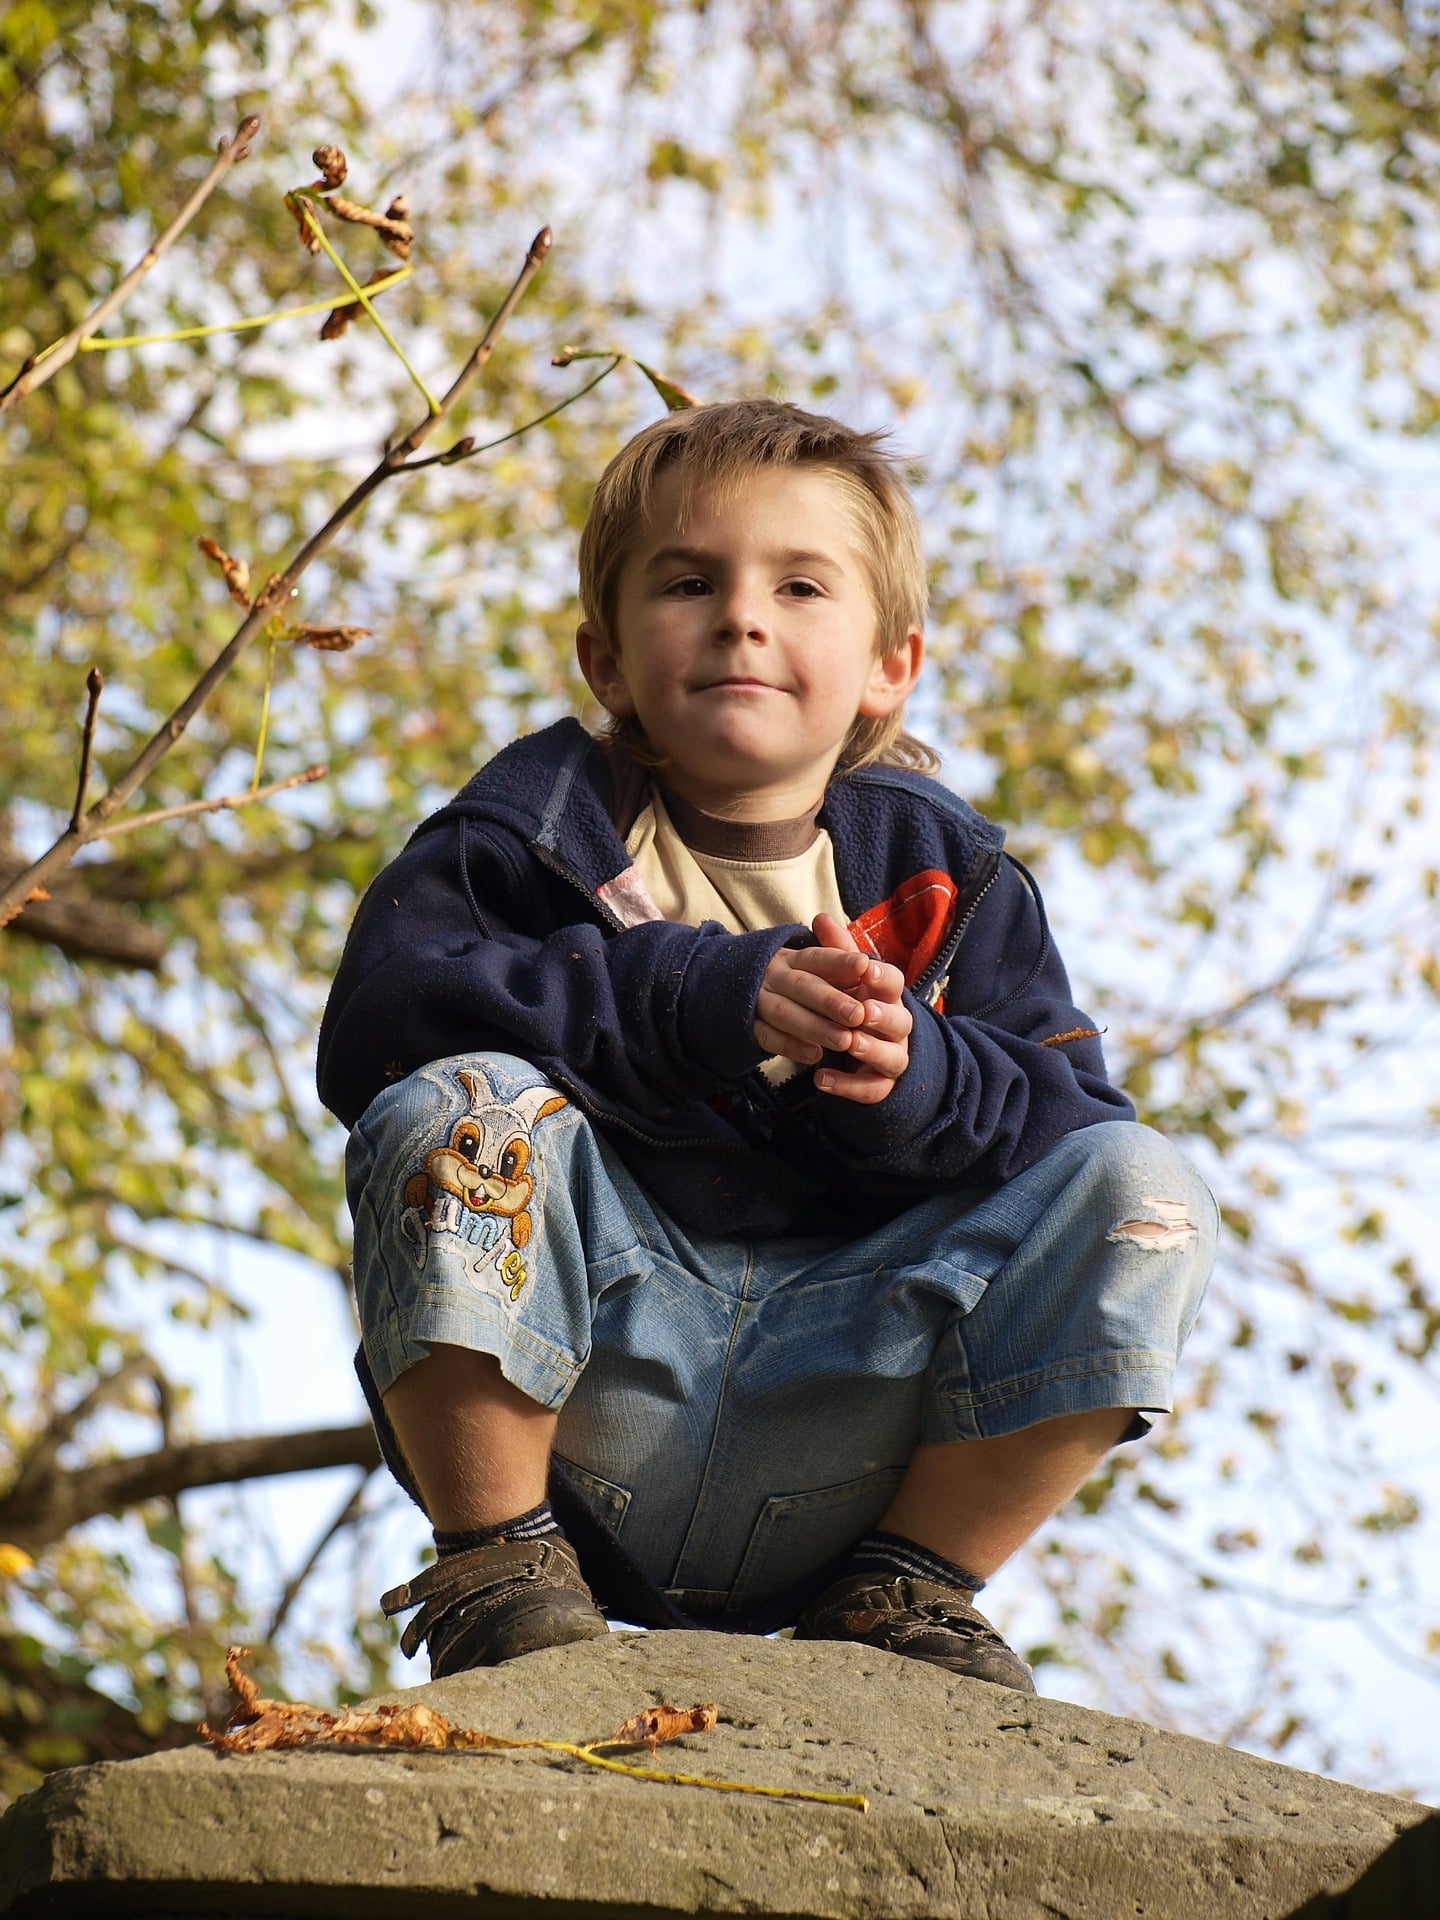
985,1805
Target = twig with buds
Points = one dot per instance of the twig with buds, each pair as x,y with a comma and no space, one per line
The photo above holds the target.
94,822
224,803
94,682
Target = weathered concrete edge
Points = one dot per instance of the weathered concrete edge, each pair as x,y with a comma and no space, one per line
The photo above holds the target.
101,1828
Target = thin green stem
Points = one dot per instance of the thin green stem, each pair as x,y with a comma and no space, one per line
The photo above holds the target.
301,200
96,345
452,459
264,714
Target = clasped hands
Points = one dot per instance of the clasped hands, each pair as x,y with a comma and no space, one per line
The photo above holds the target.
835,996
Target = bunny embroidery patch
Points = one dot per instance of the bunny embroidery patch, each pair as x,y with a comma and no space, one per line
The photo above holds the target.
477,1184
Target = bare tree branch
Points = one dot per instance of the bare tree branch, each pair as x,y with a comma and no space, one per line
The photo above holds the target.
42,367
111,1731
347,1516
39,1466
49,1507
86,928
225,802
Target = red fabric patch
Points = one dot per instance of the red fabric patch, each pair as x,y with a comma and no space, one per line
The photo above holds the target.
908,930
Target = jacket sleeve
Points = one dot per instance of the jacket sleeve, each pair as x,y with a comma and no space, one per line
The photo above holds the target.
987,1092
644,1020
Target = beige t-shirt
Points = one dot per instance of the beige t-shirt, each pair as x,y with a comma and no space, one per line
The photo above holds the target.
747,874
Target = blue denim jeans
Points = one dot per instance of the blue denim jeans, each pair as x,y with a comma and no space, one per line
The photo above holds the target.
742,1411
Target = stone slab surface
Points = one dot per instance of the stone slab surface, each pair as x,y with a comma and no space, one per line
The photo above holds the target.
985,1805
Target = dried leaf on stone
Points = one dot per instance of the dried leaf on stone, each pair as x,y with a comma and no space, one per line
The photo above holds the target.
257,1725
655,1725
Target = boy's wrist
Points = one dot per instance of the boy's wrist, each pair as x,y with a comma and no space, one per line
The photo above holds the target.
716,1004
912,1101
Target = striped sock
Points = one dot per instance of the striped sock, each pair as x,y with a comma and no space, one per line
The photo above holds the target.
892,1553
525,1526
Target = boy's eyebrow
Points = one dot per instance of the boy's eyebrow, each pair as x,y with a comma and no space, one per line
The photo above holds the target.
698,556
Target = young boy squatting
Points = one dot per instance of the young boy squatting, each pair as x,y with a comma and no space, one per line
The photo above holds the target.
729,1164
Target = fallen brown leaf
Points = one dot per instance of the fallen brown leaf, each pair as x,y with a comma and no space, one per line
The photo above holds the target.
653,1725
257,1725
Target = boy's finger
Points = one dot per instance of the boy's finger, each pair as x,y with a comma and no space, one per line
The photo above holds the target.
793,1048
830,963
886,981
888,1019
890,1057
820,996
857,972
834,934
790,1016
866,1088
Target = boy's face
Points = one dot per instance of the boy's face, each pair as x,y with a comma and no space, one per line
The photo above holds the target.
747,642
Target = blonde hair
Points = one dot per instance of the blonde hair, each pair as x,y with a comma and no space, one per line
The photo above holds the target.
720,445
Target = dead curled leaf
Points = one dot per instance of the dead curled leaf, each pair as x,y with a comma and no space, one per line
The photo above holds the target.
394,230
236,572
327,639
332,164
339,318
655,1724
309,238
258,1725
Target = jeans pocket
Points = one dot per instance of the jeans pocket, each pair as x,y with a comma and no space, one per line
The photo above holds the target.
607,1498
798,1532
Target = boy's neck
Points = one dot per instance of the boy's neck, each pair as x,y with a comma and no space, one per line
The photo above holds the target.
787,800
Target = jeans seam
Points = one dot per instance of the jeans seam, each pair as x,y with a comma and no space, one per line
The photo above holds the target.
1094,1366
741,1303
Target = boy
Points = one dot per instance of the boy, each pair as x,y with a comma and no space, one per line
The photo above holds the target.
732,1176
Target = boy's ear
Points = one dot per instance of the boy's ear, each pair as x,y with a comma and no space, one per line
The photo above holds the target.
892,676
600,664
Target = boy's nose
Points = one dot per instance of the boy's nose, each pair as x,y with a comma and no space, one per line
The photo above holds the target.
740,615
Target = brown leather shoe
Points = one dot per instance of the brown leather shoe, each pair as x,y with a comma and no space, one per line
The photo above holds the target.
495,1603
918,1619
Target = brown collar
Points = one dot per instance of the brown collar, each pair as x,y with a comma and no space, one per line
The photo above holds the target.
751,840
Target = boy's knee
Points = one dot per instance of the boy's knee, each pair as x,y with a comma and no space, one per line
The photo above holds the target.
463,1126
1149,1194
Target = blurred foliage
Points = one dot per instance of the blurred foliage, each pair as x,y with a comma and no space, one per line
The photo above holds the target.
1150,294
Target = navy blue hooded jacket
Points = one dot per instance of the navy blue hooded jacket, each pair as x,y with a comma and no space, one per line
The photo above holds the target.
504,925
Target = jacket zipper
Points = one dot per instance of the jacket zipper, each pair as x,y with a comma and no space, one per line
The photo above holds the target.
939,966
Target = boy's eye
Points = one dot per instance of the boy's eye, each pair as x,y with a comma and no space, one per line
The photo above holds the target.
803,589
691,587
